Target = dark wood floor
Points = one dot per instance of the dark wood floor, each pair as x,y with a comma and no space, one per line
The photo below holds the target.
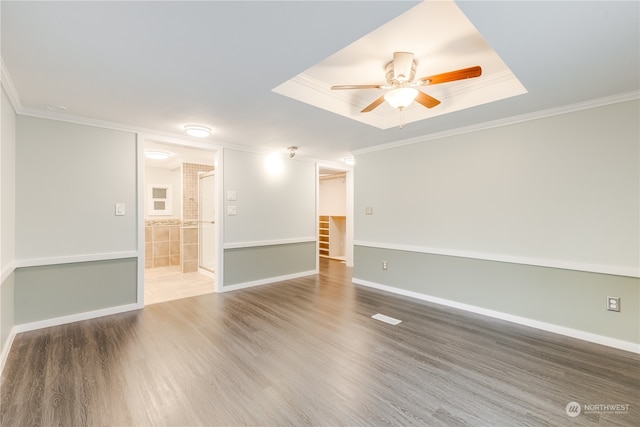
306,352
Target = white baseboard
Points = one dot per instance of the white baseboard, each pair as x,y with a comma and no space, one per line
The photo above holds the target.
25,327
549,327
6,348
267,281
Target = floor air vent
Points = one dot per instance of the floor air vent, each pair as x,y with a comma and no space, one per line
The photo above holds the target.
386,319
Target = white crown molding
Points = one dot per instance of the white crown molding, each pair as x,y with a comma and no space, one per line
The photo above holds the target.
613,270
571,108
9,88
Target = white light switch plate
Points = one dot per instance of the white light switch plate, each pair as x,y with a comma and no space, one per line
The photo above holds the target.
231,210
120,209
231,195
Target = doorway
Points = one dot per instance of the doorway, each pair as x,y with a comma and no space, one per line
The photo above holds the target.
176,236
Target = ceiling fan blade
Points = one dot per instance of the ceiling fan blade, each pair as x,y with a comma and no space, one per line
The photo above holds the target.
426,100
340,87
402,64
465,73
373,105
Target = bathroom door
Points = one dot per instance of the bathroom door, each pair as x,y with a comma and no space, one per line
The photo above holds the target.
207,225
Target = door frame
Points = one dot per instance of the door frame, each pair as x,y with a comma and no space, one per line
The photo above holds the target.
216,150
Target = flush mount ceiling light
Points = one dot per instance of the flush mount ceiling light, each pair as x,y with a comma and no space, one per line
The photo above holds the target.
198,131
157,155
401,98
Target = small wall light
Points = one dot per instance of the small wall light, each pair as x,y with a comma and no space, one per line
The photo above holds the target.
198,131
292,151
349,161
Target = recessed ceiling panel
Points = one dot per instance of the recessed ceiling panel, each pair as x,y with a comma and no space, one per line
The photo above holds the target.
441,38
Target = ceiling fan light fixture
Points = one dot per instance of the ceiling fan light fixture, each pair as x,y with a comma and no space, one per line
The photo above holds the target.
198,131
401,98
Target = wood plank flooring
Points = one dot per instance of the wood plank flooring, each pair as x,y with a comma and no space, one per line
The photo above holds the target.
307,352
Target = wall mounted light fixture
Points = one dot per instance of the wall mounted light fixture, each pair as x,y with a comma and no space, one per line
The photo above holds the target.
292,151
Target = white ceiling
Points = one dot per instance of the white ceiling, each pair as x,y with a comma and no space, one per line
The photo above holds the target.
441,38
160,65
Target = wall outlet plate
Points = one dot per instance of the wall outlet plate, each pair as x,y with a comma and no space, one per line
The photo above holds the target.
613,303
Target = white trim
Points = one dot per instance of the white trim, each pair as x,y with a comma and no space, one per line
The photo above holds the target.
140,212
540,262
257,243
26,327
7,347
601,102
267,281
9,87
6,271
69,259
549,327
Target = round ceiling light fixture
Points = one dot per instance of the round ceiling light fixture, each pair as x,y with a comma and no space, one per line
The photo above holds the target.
401,98
156,155
198,131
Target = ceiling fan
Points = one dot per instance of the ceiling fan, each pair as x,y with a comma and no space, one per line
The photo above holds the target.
400,74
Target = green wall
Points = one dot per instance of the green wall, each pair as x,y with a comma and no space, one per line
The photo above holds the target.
51,291
537,219
573,299
274,230
256,263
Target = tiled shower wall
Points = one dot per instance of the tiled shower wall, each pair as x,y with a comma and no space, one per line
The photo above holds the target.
162,242
174,241
190,213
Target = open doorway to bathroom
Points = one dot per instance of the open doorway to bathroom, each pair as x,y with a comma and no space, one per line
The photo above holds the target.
179,224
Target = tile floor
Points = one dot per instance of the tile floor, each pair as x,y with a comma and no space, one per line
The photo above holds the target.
169,283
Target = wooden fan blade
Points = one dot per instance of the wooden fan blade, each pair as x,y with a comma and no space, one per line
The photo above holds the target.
465,73
340,87
426,100
373,105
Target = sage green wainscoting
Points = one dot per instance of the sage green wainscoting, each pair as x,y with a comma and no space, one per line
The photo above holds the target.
250,264
51,291
566,298
6,309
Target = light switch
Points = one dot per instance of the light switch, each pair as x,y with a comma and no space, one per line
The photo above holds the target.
119,209
368,210
231,210
231,195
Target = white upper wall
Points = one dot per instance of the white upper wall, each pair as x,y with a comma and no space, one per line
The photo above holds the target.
274,200
68,179
333,196
559,189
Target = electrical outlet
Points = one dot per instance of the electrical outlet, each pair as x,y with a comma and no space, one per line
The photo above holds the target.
613,303
385,265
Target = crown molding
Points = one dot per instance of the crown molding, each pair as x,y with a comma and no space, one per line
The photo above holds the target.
571,108
9,88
